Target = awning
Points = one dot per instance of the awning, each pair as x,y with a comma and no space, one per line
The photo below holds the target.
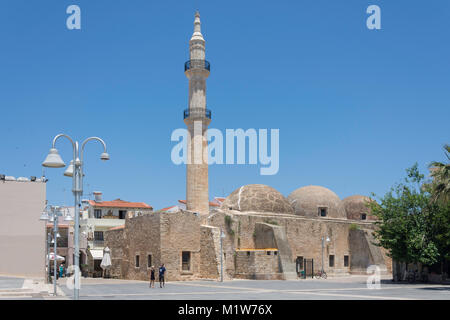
97,254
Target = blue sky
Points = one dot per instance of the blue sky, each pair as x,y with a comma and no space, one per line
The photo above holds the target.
354,107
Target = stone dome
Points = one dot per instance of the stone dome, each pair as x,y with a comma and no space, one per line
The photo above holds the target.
355,207
308,201
257,198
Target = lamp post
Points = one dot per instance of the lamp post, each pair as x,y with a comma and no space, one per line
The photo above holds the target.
74,170
323,245
52,214
47,259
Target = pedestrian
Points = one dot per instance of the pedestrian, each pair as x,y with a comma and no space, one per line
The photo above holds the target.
162,270
152,277
61,270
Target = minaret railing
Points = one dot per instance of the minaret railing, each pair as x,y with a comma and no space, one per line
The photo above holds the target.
197,64
197,113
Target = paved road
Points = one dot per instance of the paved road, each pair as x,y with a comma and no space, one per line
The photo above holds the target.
348,288
345,288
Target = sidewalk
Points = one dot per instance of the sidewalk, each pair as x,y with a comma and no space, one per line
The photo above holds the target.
23,288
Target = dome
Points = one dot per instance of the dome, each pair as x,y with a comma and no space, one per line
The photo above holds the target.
355,207
258,198
314,201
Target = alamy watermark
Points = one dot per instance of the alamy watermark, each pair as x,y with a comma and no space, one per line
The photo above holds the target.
374,280
213,153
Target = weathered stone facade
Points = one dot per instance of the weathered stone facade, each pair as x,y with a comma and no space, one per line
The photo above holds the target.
163,237
256,245
258,265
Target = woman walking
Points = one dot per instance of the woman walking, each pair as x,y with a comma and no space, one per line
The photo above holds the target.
152,277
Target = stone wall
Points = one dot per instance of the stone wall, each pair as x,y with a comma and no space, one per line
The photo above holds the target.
258,264
303,234
180,231
210,252
364,252
163,236
114,239
142,239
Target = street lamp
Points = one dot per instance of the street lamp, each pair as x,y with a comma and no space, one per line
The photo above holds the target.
323,245
75,170
51,213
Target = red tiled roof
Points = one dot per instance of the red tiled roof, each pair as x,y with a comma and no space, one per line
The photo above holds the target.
119,204
164,209
212,204
63,226
117,228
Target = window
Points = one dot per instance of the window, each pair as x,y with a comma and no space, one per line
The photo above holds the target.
331,262
363,216
98,235
149,261
248,253
323,212
137,261
186,260
275,253
122,214
268,253
345,261
98,213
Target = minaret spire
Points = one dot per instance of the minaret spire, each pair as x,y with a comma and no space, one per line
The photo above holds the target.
197,118
197,35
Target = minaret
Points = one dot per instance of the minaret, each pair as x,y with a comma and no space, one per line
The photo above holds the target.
197,119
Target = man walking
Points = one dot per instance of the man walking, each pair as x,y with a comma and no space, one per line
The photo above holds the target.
162,270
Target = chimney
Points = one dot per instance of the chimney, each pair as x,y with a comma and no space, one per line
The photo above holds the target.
97,196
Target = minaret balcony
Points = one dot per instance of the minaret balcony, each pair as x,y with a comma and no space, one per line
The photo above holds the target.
197,114
197,64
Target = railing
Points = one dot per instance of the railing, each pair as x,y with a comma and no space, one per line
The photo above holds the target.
197,113
197,64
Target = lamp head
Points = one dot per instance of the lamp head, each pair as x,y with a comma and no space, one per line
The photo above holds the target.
53,160
68,218
44,216
69,170
104,156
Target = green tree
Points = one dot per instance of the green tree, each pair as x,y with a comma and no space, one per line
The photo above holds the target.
405,225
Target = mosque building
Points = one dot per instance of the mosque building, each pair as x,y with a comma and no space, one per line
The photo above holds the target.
255,233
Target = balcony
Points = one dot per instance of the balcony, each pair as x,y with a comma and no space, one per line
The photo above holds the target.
103,223
197,64
197,113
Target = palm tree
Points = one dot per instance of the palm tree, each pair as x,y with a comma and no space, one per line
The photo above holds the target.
441,178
